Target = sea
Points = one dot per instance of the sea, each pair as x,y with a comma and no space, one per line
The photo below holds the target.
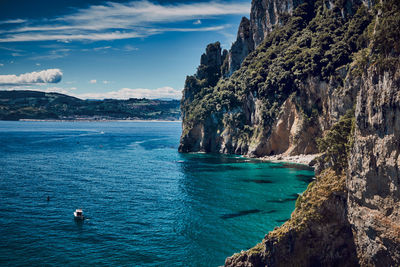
145,204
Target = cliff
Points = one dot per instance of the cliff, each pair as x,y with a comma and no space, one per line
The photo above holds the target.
290,88
324,76
374,172
350,218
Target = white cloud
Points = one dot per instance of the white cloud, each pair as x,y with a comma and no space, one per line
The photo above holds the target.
134,19
1,64
117,35
13,21
44,76
101,48
37,64
93,81
126,93
69,37
106,82
11,49
197,22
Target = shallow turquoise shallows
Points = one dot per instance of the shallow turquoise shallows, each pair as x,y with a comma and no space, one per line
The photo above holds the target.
146,204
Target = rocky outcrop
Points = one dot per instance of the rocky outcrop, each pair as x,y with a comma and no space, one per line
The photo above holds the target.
353,219
210,64
291,134
318,233
265,14
240,48
260,126
374,173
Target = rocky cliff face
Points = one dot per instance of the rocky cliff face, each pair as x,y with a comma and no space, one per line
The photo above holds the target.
348,220
263,17
265,14
328,71
374,173
243,45
280,99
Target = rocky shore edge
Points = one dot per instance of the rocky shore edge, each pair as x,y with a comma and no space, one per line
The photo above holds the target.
305,159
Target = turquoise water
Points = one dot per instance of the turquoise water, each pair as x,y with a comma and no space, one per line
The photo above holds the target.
146,204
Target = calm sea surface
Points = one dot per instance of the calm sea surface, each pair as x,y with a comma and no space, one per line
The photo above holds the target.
146,204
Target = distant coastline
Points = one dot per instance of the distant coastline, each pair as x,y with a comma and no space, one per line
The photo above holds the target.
94,120
38,106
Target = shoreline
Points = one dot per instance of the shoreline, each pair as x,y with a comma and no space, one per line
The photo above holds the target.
304,159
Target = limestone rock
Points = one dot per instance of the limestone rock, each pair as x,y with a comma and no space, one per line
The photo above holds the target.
210,64
240,48
265,14
374,174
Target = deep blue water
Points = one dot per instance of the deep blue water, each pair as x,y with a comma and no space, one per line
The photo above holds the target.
147,205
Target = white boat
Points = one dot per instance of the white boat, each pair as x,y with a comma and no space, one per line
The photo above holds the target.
78,214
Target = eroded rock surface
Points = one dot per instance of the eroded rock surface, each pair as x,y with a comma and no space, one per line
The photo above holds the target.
374,174
265,14
318,233
351,215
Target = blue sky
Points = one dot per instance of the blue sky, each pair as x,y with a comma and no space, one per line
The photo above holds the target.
110,49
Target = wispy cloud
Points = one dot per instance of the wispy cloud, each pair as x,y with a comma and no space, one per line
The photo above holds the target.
126,93
102,48
123,20
52,54
93,81
41,77
56,37
13,21
10,49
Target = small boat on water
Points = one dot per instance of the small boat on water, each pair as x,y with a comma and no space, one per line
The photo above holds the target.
78,214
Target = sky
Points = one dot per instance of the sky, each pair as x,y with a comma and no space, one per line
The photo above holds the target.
110,49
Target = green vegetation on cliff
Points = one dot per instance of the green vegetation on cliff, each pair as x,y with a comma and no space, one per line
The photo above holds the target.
15,105
316,41
337,142
381,46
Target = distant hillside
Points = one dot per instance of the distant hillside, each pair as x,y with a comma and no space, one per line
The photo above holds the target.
16,105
